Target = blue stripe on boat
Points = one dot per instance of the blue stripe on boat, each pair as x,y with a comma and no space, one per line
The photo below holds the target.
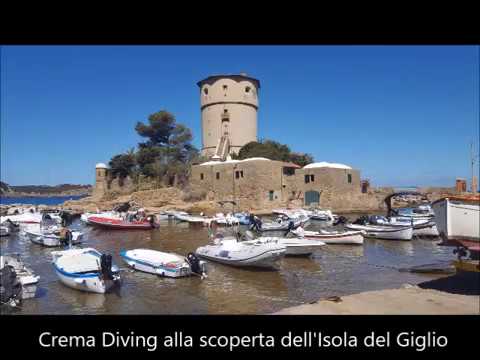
77,275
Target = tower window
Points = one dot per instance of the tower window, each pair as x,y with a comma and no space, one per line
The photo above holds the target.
307,179
312,178
205,91
349,178
247,89
225,87
218,176
270,195
201,176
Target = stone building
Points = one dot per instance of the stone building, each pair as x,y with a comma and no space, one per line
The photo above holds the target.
260,183
101,180
461,185
229,105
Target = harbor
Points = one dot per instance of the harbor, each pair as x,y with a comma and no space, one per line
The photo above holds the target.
334,271
235,223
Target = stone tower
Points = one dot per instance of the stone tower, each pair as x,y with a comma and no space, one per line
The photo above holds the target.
101,172
229,105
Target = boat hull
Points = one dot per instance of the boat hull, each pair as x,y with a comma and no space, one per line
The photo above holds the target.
51,240
385,232
263,258
157,267
458,220
91,283
353,238
116,224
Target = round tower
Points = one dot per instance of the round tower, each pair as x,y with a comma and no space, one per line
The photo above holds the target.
229,105
101,171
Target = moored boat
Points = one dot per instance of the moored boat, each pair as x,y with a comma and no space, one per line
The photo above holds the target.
18,282
122,224
163,263
230,251
294,246
457,219
384,232
332,237
86,269
53,236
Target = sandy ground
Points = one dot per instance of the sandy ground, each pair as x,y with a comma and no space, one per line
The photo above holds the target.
409,300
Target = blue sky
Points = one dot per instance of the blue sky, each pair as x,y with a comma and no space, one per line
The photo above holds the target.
403,115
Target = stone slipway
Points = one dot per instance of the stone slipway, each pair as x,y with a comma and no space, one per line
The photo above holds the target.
409,300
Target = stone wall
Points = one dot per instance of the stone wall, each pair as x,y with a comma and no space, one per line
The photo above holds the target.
263,184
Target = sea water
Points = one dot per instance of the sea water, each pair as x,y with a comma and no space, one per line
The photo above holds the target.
38,200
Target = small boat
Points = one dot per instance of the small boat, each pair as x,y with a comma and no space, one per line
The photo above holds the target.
163,264
229,219
106,214
384,232
52,236
185,217
8,227
332,237
17,282
457,219
230,251
282,224
30,218
86,269
322,215
421,227
4,231
294,246
122,224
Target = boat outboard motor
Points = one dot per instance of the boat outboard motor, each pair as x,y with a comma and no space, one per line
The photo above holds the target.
66,218
340,220
106,266
151,220
10,286
67,239
194,263
291,226
362,220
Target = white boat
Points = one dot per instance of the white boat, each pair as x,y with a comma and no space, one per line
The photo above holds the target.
230,251
8,227
86,269
354,237
162,263
4,231
322,215
458,219
190,218
24,277
294,246
229,219
384,232
30,218
283,224
425,227
50,236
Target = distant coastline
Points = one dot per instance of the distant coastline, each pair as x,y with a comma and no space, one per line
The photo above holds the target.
38,200
63,190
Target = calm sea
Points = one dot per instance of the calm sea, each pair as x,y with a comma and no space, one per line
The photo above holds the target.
40,200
